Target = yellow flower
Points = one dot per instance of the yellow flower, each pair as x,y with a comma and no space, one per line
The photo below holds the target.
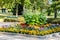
37,32
2,29
46,32
21,20
50,31
47,25
53,30
44,25
42,33
22,30
36,27
30,32
34,32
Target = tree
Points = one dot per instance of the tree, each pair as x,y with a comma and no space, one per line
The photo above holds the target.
48,8
19,6
38,4
56,6
7,4
12,4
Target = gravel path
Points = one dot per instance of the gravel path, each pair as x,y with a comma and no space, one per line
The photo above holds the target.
14,36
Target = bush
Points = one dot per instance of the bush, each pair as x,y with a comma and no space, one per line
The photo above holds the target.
10,20
34,18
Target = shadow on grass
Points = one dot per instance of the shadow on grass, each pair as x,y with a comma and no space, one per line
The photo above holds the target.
53,20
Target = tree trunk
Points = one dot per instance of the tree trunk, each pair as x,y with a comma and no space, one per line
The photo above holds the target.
17,10
48,13
34,7
41,10
20,7
55,13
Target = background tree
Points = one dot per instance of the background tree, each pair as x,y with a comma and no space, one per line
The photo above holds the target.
38,4
18,4
56,6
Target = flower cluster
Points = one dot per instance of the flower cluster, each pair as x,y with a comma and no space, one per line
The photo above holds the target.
33,30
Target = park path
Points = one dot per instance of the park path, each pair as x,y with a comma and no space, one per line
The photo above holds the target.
14,36
8,23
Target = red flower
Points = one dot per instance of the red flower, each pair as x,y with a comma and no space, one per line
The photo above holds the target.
23,25
42,27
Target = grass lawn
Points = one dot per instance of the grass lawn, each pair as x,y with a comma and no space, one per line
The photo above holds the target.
2,16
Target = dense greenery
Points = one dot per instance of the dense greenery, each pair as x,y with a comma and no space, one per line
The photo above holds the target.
56,6
38,5
34,18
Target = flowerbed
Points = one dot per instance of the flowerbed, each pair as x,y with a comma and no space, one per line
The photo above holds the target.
33,24
33,30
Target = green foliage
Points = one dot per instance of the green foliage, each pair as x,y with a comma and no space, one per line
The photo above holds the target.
27,3
55,4
34,18
9,3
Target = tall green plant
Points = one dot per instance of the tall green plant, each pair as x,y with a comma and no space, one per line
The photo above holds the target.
34,18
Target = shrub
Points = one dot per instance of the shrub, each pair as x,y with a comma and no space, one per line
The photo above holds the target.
10,20
34,18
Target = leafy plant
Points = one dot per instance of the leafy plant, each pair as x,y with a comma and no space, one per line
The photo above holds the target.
34,18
